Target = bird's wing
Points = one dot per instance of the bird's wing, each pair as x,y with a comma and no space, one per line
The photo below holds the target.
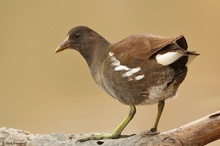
135,50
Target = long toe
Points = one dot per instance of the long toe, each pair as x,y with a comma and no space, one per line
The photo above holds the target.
102,136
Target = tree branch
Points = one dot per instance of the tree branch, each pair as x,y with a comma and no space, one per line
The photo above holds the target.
199,132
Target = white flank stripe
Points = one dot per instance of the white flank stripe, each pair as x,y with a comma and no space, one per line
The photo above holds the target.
168,58
127,74
131,72
135,70
110,54
121,68
115,62
113,59
139,77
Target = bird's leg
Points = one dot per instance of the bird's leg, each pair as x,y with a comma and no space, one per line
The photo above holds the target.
160,110
120,128
117,132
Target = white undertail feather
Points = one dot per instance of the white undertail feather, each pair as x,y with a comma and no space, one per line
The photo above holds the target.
168,58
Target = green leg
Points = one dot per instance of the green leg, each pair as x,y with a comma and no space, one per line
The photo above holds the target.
160,110
117,132
121,127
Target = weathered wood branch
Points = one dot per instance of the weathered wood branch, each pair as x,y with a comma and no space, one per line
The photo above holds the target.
197,133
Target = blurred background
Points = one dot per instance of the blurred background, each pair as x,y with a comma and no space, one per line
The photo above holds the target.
43,92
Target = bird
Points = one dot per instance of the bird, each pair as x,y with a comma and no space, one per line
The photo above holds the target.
141,69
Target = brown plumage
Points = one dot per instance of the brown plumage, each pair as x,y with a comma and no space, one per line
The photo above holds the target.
138,70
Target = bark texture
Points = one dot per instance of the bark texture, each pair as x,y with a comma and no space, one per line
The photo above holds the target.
196,133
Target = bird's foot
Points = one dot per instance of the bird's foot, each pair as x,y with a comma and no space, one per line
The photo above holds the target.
153,131
100,136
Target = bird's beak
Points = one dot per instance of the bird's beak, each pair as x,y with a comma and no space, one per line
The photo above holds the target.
64,45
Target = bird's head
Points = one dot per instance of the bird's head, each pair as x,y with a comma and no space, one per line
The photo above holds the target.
76,38
84,40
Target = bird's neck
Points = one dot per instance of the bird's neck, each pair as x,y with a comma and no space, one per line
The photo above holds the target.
93,52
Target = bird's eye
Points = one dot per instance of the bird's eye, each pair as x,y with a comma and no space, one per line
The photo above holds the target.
77,35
